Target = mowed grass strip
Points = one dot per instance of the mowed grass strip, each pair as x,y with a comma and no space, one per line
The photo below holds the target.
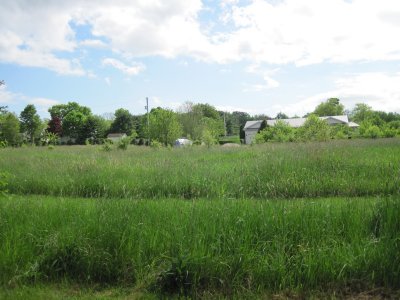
335,168
188,247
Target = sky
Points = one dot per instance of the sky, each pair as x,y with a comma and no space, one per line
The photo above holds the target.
257,56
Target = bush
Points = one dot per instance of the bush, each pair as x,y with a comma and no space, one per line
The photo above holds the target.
107,146
124,143
389,132
314,129
3,183
208,138
3,144
155,144
372,132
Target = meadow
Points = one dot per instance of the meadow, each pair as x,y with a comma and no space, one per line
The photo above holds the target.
276,170
277,220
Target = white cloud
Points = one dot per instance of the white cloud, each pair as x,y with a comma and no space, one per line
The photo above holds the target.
269,82
133,69
10,98
43,104
229,108
301,32
108,81
93,43
6,97
379,90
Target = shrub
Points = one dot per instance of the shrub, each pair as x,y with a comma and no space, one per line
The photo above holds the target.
124,143
314,129
3,144
372,132
208,138
107,146
155,144
3,183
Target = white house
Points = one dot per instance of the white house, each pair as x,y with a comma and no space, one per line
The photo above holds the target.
251,128
116,137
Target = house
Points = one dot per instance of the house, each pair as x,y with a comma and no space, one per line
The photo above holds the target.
116,137
251,128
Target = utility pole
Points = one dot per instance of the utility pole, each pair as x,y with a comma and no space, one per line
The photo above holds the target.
148,120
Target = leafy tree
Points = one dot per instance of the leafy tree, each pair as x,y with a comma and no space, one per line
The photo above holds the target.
314,129
281,115
331,107
190,118
206,110
30,122
94,129
208,138
361,112
215,127
10,129
164,126
62,110
3,109
73,124
72,117
123,122
55,126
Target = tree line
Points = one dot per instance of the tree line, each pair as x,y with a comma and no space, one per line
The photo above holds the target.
73,123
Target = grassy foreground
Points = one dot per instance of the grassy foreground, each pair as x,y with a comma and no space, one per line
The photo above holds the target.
186,247
336,168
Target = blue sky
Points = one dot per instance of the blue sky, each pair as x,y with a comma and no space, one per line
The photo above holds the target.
259,56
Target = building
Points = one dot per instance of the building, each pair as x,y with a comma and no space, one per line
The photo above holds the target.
251,128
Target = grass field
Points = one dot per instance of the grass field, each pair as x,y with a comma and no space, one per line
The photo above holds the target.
292,220
338,168
188,247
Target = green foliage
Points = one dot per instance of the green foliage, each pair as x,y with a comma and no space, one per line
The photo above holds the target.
156,144
50,138
195,118
208,138
124,143
62,110
164,126
10,129
281,115
107,145
314,129
123,122
331,107
4,177
372,132
30,122
73,124
280,132
389,132
94,130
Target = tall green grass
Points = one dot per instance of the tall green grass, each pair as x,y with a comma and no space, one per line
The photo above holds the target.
188,247
337,168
